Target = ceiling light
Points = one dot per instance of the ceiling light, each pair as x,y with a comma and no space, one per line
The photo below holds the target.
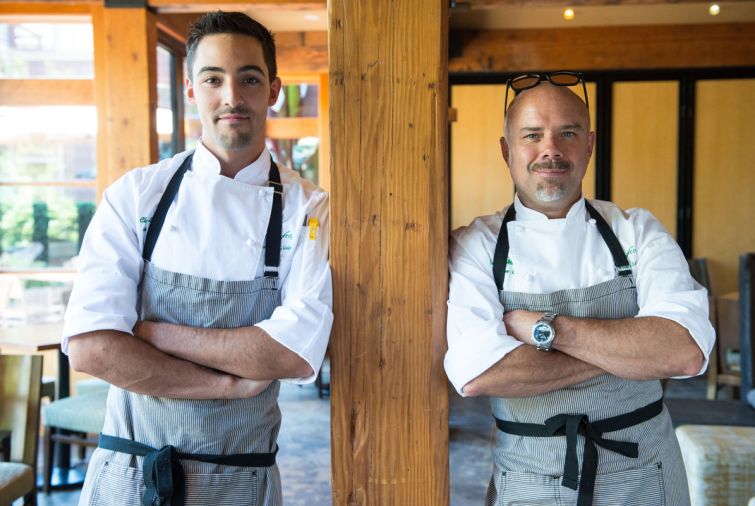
714,9
568,14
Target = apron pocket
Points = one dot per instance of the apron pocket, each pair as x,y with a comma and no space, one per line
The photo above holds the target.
223,489
117,485
643,485
527,489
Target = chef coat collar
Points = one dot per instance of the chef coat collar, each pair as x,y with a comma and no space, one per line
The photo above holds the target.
255,173
523,213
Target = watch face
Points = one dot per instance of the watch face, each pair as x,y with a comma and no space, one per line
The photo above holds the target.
542,333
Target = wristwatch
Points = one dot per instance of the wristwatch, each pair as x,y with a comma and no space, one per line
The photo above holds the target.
543,332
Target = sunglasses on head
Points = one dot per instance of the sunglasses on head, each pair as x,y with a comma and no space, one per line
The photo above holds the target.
559,78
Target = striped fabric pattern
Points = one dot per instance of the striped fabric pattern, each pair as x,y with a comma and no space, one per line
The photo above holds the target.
526,468
194,426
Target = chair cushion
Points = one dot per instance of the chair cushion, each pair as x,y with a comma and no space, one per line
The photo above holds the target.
719,463
16,480
80,413
91,386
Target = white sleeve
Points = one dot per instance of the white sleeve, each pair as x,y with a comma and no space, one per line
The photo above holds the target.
109,268
665,287
477,337
303,320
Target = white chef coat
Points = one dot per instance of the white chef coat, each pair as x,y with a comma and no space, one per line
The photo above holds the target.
215,229
549,255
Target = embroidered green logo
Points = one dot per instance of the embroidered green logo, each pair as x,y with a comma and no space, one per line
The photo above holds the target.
509,266
144,221
632,256
287,235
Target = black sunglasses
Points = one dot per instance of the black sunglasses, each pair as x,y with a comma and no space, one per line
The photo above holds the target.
560,78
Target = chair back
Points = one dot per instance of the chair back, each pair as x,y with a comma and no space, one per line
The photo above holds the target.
698,267
20,386
746,324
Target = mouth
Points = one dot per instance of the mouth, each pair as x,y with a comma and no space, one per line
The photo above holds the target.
232,118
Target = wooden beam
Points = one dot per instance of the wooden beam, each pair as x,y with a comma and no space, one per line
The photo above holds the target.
605,48
389,405
21,92
465,5
233,5
125,53
302,52
291,128
53,7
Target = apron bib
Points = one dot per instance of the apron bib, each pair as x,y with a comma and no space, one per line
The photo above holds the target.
197,452
605,441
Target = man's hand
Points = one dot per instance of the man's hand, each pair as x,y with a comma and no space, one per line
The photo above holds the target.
519,324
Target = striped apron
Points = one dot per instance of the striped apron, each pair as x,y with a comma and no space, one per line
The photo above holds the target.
161,451
605,441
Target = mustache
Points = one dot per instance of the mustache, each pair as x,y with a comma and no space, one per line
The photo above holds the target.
239,109
550,165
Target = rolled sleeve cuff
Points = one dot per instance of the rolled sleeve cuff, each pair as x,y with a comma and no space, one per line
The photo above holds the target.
699,328
81,322
304,330
464,363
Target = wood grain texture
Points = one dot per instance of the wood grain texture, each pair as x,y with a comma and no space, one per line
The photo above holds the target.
497,4
644,148
389,406
48,7
606,48
724,194
125,42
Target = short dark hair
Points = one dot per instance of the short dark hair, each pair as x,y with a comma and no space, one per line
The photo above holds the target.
218,22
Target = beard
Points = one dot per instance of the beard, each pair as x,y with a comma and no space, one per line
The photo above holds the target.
234,139
550,189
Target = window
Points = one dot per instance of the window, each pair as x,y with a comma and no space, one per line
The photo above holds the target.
48,164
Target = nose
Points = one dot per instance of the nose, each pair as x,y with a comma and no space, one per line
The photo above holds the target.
551,149
231,93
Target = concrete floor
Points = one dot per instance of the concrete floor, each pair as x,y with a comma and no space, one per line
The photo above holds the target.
304,457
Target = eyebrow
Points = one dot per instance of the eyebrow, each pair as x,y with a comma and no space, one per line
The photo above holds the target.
570,126
245,68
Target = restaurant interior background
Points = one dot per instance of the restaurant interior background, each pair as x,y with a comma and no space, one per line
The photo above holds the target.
673,139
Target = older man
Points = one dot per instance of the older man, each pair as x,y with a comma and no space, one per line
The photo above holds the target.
567,312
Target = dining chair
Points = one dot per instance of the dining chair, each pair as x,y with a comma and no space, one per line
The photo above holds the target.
20,386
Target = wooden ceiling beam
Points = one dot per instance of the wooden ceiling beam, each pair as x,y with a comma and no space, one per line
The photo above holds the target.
604,48
233,5
466,5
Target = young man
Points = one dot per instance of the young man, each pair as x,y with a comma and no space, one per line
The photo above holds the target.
203,281
566,313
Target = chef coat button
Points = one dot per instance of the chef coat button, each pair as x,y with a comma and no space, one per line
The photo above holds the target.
249,243
260,192
592,221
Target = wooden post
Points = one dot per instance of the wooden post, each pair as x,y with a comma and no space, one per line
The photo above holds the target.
125,55
389,181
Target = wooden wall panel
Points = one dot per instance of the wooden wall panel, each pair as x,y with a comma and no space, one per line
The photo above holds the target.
644,148
480,180
389,246
724,193
125,42
606,48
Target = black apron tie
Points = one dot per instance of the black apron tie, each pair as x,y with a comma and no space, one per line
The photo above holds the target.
572,425
164,478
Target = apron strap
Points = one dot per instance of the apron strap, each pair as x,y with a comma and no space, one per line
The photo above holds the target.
617,252
164,478
500,258
572,425
158,219
274,226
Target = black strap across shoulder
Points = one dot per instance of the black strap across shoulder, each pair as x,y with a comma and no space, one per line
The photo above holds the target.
274,227
164,478
502,245
572,425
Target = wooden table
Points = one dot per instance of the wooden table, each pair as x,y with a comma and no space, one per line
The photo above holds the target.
35,339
